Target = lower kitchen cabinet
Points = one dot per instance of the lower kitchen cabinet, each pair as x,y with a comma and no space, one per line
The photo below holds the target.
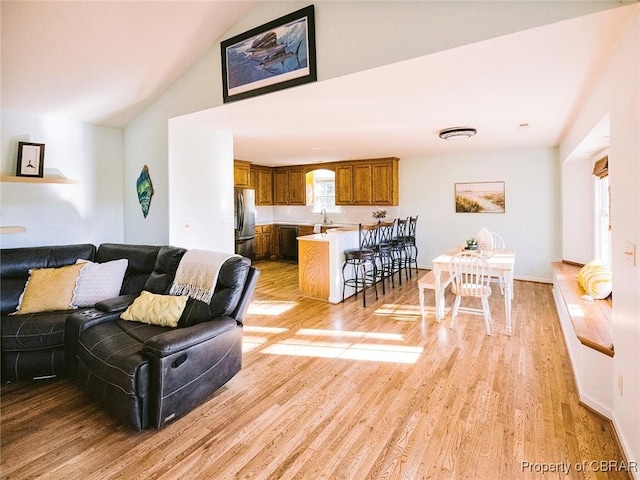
263,241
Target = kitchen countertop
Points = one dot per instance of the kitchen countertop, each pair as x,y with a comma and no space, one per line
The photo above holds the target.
315,237
327,225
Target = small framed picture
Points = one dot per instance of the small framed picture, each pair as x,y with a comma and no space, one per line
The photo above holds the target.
30,160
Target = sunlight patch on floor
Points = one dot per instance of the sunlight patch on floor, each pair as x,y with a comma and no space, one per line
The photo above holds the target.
251,342
575,310
260,329
358,351
270,307
403,313
316,332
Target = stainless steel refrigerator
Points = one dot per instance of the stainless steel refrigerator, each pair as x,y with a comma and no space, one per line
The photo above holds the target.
244,221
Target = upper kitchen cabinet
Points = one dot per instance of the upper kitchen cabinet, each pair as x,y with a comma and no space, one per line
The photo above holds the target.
262,183
289,186
241,174
367,182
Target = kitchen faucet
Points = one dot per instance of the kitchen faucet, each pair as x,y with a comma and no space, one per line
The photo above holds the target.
323,212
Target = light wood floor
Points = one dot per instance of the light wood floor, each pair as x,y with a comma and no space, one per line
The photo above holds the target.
340,392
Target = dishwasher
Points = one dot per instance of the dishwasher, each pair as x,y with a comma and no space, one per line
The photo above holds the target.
289,242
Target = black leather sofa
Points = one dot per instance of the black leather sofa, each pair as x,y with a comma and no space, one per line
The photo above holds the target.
146,375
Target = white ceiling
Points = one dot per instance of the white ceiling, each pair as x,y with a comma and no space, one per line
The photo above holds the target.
103,62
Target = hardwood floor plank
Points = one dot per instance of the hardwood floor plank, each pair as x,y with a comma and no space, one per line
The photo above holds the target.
340,391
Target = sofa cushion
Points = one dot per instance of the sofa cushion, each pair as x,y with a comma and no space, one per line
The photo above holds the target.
164,271
16,262
164,310
195,311
114,356
99,281
33,331
49,289
142,259
231,280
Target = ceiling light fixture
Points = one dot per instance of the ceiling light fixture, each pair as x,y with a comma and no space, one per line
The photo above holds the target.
456,132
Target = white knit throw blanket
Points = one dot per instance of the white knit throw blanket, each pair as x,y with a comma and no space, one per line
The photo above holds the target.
197,274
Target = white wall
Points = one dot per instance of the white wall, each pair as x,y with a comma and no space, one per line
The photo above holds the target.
617,93
390,31
55,214
200,195
578,221
530,224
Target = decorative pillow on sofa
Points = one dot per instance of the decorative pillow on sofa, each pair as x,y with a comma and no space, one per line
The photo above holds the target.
164,310
595,280
99,281
49,289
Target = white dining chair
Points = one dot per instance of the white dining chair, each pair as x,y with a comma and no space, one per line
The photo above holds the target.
498,244
498,241
470,277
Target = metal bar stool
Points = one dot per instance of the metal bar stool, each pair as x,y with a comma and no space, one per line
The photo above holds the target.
363,263
399,248
384,251
411,244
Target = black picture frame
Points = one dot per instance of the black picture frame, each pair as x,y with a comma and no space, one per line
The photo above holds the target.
30,160
277,55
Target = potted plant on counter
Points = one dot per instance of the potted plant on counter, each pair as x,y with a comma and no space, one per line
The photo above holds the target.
379,215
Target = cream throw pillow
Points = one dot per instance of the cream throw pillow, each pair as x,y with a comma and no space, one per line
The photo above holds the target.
164,310
595,279
49,289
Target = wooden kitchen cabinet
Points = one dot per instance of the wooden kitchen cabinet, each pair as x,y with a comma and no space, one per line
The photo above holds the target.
384,182
262,183
241,174
344,185
305,230
289,186
367,182
263,241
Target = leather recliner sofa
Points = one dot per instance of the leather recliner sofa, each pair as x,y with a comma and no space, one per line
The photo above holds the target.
147,375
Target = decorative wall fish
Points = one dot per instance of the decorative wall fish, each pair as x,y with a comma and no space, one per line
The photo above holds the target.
145,190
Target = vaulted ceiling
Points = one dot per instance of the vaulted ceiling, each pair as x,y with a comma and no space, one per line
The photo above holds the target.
104,62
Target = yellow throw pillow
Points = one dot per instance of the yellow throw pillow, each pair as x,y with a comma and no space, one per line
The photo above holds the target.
164,310
595,279
49,289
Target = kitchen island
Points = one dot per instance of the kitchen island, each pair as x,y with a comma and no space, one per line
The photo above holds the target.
320,259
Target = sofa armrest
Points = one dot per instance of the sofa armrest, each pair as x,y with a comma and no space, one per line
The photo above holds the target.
179,339
116,304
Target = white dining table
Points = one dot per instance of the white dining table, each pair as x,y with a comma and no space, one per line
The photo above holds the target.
502,263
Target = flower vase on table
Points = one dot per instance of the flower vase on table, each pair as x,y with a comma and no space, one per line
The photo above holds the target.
472,244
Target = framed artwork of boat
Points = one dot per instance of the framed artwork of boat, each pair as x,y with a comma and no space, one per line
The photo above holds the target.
277,55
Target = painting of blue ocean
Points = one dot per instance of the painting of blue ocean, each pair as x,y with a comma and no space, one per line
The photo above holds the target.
281,52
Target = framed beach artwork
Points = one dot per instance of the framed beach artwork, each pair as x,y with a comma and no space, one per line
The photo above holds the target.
277,55
480,197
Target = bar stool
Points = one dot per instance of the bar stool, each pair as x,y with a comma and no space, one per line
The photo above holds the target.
411,244
399,248
363,263
384,251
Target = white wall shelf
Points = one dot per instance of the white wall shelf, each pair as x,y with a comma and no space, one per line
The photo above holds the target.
15,179
12,229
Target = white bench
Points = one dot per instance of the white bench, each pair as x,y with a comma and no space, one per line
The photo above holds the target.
428,280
